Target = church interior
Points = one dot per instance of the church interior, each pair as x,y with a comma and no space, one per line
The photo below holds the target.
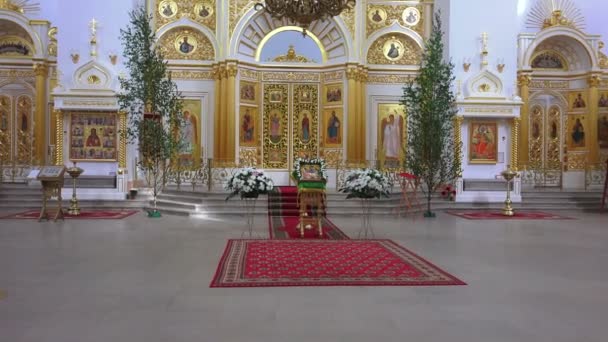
289,206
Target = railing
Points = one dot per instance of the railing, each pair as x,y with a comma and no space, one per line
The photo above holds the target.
595,175
543,176
13,172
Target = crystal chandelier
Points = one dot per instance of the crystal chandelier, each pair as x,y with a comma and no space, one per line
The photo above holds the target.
304,12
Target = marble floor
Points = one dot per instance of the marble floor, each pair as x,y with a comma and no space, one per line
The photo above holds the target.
147,280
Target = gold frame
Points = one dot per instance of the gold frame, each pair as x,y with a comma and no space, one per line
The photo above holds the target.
379,143
472,125
274,91
570,122
254,113
571,98
327,87
116,134
326,114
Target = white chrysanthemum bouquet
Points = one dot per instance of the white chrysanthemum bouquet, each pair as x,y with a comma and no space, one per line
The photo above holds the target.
366,183
248,182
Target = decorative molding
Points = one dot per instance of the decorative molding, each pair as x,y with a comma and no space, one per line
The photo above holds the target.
388,78
546,84
333,157
333,76
248,157
549,13
348,16
291,57
16,73
192,74
577,161
291,76
237,9
248,74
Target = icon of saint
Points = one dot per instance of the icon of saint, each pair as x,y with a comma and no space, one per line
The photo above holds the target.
305,128
275,129
393,52
247,127
203,12
189,133
579,102
391,136
578,134
603,102
167,10
333,129
376,16
93,140
412,17
186,47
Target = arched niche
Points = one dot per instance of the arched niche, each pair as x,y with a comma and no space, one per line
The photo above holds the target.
92,76
571,44
256,26
196,46
288,45
16,27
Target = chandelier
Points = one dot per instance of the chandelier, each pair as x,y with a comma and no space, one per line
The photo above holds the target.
304,12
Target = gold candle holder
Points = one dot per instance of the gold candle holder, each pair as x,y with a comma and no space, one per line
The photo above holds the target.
74,172
508,175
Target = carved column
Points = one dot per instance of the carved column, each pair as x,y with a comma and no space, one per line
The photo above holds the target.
515,143
362,115
58,137
41,70
592,119
217,76
523,81
458,141
230,119
351,115
122,147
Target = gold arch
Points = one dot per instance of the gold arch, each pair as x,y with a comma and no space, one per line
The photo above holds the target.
566,65
258,52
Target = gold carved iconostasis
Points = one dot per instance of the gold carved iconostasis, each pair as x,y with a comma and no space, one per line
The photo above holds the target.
285,97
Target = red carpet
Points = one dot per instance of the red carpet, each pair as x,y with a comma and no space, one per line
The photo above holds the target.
84,214
263,263
497,215
283,217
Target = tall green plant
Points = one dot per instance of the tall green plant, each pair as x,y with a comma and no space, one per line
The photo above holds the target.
430,105
151,100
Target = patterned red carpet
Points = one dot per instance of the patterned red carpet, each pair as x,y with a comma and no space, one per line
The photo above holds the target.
283,217
497,215
84,214
263,263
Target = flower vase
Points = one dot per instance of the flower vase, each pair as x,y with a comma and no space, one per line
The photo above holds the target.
366,217
249,200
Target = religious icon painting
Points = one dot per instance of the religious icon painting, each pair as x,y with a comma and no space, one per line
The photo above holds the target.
576,132
93,136
248,130
391,131
393,49
275,96
304,96
275,126
333,94
248,91
602,130
203,10
190,132
332,127
304,132
185,44
275,156
483,144
376,15
167,9
578,100
602,103
411,16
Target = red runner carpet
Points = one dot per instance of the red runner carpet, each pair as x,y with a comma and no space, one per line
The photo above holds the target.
283,217
84,214
264,263
497,215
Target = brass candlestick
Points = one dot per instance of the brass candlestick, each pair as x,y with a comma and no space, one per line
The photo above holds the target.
508,175
74,172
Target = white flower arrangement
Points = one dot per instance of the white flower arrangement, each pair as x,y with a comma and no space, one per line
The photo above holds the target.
297,172
248,182
366,183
